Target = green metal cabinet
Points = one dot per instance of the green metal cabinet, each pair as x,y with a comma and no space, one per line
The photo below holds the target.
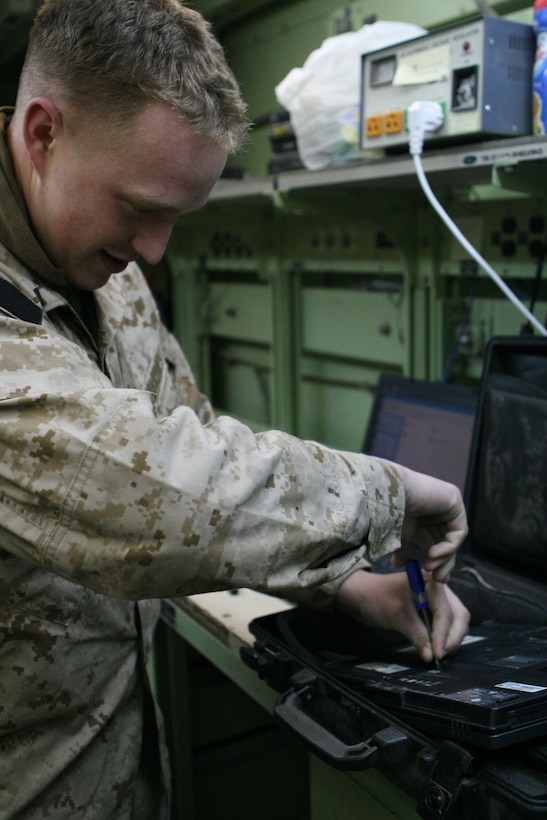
290,313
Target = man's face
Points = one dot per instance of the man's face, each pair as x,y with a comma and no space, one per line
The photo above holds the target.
103,200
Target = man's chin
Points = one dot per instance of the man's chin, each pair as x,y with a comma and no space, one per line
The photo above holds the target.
96,274
88,280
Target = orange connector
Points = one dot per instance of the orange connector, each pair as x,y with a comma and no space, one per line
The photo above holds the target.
373,126
393,122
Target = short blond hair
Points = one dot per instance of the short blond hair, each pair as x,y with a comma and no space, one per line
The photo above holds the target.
114,55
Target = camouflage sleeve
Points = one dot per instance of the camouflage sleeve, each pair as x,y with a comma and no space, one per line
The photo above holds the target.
95,487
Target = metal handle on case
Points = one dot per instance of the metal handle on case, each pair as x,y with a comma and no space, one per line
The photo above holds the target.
288,711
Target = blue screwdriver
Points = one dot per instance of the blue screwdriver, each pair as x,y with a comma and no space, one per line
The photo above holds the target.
416,581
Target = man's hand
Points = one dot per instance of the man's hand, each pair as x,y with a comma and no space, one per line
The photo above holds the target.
435,518
386,602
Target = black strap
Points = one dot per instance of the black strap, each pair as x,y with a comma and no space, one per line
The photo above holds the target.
18,304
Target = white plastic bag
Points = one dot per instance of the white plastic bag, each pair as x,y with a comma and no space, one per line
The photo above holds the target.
322,97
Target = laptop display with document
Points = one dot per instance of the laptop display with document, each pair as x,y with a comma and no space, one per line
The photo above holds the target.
426,426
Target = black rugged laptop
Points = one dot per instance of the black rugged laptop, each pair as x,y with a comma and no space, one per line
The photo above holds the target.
493,692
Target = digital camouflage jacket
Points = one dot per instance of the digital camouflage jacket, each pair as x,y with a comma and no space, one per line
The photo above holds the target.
118,486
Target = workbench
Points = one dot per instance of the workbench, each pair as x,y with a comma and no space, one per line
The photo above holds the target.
230,760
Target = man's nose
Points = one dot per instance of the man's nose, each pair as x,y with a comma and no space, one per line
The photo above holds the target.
151,241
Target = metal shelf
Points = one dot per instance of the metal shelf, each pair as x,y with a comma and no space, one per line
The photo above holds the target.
469,164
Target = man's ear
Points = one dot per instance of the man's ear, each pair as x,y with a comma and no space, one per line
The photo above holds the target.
42,124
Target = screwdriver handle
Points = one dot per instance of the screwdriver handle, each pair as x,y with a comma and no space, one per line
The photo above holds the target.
416,582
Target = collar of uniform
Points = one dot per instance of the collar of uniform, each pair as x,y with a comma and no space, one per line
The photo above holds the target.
15,230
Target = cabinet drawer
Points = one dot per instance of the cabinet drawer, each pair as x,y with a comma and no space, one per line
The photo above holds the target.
241,311
353,325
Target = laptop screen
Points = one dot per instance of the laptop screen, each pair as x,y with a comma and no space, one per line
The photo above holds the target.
506,488
426,426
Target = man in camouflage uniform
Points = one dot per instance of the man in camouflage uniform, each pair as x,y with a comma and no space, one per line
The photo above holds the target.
117,485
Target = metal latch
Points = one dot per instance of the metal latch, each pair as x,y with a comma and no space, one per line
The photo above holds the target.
449,781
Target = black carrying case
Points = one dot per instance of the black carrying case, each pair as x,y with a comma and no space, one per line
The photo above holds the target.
447,778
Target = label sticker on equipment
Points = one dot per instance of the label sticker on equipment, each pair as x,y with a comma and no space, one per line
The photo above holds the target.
521,687
382,668
472,639
480,697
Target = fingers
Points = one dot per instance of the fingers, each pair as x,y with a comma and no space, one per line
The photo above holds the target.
435,518
386,602
440,558
418,636
450,623
440,568
450,618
